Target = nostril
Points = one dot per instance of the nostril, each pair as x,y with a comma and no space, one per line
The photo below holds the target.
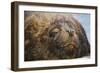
53,34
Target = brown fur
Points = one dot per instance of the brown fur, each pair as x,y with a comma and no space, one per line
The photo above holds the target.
54,36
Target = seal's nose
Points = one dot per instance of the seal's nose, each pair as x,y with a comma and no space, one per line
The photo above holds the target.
53,33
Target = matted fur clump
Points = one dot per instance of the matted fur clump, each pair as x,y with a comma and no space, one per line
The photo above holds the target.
51,36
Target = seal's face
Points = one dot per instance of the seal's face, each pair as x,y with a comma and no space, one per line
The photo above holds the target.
65,38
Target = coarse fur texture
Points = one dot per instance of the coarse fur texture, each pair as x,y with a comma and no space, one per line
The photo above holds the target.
52,36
